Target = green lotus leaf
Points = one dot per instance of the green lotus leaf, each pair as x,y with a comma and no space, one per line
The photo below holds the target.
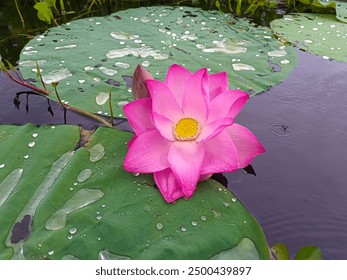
320,34
92,56
340,6
63,199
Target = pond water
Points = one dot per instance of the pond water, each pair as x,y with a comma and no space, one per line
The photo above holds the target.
299,193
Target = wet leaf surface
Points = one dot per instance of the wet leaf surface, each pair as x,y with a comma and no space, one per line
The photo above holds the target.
320,34
93,56
61,199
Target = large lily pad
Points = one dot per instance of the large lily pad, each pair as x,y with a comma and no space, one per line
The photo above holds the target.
91,56
321,34
58,201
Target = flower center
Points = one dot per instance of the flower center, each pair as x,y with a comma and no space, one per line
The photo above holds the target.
187,129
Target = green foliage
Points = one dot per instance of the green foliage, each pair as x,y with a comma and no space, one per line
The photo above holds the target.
61,197
44,11
309,253
280,252
243,7
322,6
89,55
321,34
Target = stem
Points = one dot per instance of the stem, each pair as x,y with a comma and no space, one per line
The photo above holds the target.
25,84
20,14
230,6
111,110
90,115
77,110
40,75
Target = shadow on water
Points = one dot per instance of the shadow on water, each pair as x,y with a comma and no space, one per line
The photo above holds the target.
299,194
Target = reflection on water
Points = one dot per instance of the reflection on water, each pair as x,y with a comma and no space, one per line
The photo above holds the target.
299,194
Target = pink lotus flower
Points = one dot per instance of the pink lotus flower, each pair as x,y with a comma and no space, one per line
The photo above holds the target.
185,131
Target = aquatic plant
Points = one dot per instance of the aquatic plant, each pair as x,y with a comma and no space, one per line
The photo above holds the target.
180,127
91,56
77,201
281,252
321,34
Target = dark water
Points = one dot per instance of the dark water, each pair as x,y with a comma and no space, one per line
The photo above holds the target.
299,194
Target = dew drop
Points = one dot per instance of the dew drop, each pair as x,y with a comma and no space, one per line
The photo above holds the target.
51,253
145,19
108,71
102,98
234,199
88,68
26,156
66,47
242,67
203,218
96,152
159,226
226,204
216,214
2,165
73,230
81,199
194,223
98,217
285,61
325,57
277,53
122,65
31,144
183,229
136,174
123,36
29,52
145,63
84,175
35,135
81,81
122,103
56,75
